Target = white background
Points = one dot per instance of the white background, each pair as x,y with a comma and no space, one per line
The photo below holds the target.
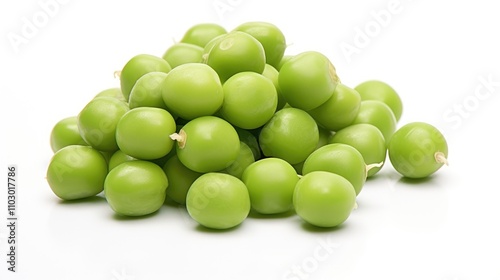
434,53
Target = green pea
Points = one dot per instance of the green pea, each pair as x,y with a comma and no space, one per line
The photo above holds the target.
244,159
250,139
200,34
76,172
285,59
64,133
207,144
118,158
340,159
218,201
236,52
270,183
368,140
272,74
182,53
97,122
307,80
144,133
147,91
112,92
340,110
250,100
136,188
378,90
136,67
192,90
378,114
271,38
418,150
291,134
180,179
324,199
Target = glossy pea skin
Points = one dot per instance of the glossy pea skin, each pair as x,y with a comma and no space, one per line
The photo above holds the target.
182,53
236,52
324,199
272,74
270,183
418,150
381,91
144,133
147,91
111,92
136,188
340,159
118,158
207,144
64,133
77,172
250,100
307,80
340,110
136,67
244,159
97,122
218,201
378,114
291,134
192,90
200,34
180,179
367,139
270,36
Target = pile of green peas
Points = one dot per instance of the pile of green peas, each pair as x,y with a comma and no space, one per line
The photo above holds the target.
225,123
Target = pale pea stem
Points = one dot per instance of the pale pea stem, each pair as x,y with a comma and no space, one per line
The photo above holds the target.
180,137
373,165
441,158
355,205
117,74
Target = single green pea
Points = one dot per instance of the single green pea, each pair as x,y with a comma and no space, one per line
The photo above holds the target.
207,144
270,183
368,140
340,159
200,34
324,199
307,80
64,133
192,90
250,100
112,92
291,134
218,201
97,122
136,67
136,188
244,159
180,179
378,114
340,110
144,133
418,150
236,52
182,53
147,91
77,172
272,74
118,158
381,91
271,38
